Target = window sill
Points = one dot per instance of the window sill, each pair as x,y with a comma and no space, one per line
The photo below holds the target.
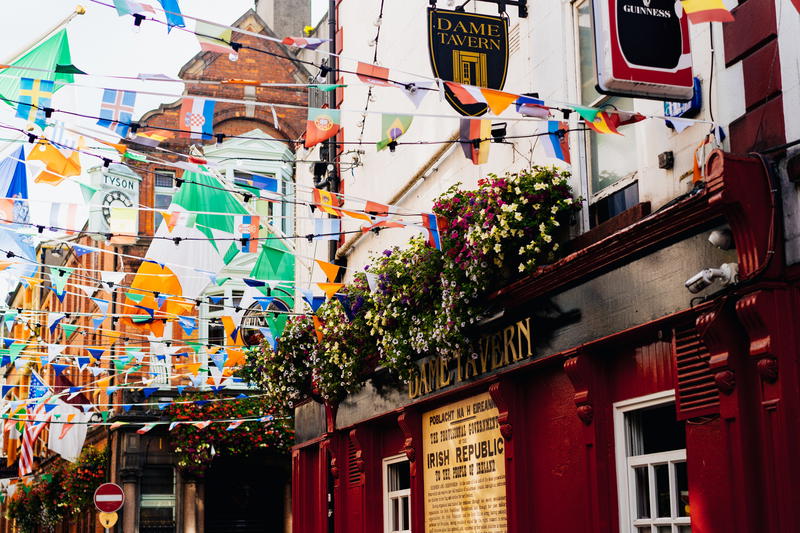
609,227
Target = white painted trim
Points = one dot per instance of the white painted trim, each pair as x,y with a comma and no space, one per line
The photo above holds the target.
387,461
623,473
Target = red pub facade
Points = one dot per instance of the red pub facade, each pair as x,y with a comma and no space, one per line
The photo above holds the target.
603,396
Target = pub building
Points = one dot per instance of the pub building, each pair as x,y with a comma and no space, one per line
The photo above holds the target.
601,396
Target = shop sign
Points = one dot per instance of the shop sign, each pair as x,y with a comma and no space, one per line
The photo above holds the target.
643,49
491,352
468,48
464,467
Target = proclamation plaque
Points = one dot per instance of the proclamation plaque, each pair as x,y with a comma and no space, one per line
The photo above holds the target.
464,468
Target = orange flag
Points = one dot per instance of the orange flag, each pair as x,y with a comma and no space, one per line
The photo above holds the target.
330,288
59,164
331,270
318,327
498,101
326,201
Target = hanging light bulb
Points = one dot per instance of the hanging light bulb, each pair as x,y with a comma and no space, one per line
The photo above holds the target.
233,56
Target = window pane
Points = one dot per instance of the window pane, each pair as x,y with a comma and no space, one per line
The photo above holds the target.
642,480
662,490
399,476
654,430
165,180
613,156
405,505
681,489
162,201
684,529
216,334
664,529
586,50
158,480
395,515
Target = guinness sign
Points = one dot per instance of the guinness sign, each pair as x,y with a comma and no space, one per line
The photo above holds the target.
643,49
468,48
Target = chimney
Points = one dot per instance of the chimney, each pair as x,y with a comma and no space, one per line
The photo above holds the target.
287,18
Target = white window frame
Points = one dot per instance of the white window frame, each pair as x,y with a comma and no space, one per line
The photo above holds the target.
584,137
162,501
162,190
625,468
389,497
205,318
163,369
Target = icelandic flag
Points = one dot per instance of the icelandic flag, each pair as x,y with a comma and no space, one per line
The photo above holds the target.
557,141
197,118
116,111
245,229
430,223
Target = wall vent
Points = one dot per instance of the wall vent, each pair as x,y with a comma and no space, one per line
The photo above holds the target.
696,392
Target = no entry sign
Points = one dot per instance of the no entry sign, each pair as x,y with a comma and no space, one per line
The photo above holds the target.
109,497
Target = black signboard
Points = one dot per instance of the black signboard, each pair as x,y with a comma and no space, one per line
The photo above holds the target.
468,48
650,21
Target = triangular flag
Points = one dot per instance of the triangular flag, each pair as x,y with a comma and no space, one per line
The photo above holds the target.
330,270
330,289
147,427
498,101
234,425
417,91
69,329
318,328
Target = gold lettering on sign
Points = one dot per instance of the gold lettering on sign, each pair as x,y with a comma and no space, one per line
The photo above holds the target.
492,352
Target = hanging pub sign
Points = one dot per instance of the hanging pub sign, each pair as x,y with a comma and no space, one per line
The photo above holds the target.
643,49
468,48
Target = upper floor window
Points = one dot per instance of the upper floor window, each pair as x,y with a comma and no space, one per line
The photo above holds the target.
611,161
651,466
396,495
157,509
163,191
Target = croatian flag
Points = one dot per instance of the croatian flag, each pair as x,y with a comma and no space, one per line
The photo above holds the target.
246,231
197,118
116,111
557,141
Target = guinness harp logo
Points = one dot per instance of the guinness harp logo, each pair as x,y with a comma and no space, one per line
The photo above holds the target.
468,48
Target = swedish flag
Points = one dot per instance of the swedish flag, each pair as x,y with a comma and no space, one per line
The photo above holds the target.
34,96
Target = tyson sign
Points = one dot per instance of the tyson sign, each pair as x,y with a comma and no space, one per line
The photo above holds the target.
643,49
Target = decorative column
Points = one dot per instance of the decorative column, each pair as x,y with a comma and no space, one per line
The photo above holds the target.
130,481
587,380
189,505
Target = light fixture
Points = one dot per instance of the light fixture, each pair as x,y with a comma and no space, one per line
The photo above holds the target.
722,239
499,131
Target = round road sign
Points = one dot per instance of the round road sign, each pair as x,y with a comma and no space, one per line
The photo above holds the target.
108,497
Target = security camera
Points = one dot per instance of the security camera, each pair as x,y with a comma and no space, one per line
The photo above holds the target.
721,238
727,273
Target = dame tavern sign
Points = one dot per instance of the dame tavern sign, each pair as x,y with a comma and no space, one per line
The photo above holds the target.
492,352
468,48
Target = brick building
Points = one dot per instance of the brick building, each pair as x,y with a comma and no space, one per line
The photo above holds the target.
250,493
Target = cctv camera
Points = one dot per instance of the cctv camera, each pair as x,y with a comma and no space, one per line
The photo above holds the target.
721,238
727,274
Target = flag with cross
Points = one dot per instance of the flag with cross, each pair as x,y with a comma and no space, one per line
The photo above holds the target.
116,111
34,96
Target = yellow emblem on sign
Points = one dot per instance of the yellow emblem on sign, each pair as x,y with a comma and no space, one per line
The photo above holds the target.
107,520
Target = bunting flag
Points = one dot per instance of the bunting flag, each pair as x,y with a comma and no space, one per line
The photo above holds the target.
34,96
201,425
32,431
214,38
259,184
315,302
59,163
475,138
498,101
144,429
52,321
373,74
234,425
330,289
245,230
309,43
14,184
417,91
151,138
64,216
466,94
327,202
318,328
330,270
321,125
123,222
430,223
700,11
392,127
529,106
327,229
557,141
197,116
129,7
173,13
116,111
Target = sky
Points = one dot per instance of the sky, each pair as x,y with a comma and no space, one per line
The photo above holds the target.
105,44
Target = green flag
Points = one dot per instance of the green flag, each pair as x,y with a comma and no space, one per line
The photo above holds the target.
47,55
392,127
69,329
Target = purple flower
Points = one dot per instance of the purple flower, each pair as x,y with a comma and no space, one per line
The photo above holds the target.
387,253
